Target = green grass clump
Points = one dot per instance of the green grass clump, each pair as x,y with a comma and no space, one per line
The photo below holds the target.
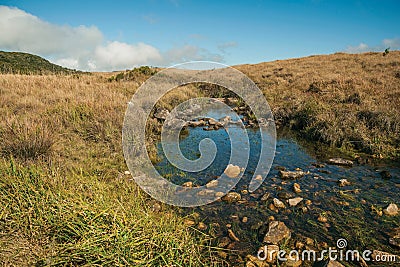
79,220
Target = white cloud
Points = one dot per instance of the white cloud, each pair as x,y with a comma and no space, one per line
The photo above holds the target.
394,44
25,32
84,47
223,47
116,55
357,49
189,53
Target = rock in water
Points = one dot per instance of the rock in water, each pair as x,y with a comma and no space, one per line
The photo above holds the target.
232,197
232,171
340,161
296,188
391,210
343,182
294,201
212,184
277,231
291,174
278,203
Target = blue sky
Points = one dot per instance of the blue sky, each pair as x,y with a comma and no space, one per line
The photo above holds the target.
109,35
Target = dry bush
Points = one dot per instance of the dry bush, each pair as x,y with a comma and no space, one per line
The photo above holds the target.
27,140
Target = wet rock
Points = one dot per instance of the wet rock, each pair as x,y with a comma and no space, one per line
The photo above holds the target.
277,231
232,171
385,175
294,201
271,218
196,123
258,177
245,219
308,202
322,218
265,197
343,182
188,184
232,197
296,188
232,236
244,192
206,192
223,242
278,203
340,161
391,210
161,114
291,174
219,194
212,184
214,122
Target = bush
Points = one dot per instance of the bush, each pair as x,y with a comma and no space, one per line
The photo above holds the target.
26,140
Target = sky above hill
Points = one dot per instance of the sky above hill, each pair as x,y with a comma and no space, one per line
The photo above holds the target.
117,35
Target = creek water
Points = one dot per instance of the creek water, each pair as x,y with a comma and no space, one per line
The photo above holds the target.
351,211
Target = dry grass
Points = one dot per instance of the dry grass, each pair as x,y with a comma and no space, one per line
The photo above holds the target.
344,100
63,196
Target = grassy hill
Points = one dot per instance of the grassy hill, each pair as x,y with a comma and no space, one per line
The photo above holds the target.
350,101
24,63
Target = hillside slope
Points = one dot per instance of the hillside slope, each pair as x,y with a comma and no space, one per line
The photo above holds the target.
24,63
344,100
